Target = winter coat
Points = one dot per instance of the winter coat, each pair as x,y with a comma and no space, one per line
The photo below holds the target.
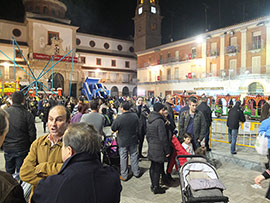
76,118
127,126
170,127
45,110
265,111
180,150
235,116
158,143
22,129
205,109
11,191
42,161
81,179
199,125
142,119
170,110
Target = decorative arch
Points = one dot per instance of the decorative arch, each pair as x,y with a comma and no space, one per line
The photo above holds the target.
125,91
114,91
255,88
135,91
58,81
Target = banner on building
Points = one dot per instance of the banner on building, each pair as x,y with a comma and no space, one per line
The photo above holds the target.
55,58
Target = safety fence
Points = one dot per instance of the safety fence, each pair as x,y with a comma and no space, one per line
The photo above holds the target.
247,133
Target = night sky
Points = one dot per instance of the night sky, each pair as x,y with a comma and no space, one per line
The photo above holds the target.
182,18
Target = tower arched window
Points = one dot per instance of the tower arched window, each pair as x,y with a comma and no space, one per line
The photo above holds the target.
53,12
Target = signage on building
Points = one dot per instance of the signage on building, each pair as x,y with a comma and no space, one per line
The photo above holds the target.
209,88
158,78
189,75
55,57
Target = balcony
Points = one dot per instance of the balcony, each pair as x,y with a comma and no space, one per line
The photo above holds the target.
232,50
256,46
213,54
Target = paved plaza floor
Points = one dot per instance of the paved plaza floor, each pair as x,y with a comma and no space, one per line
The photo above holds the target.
237,179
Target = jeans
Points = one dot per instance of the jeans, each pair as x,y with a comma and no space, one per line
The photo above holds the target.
233,138
123,151
14,161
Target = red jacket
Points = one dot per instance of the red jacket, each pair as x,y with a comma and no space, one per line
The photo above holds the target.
180,150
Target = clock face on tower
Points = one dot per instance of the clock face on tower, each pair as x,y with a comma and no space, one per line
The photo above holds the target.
140,10
153,9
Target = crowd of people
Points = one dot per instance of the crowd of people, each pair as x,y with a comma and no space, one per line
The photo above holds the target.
69,155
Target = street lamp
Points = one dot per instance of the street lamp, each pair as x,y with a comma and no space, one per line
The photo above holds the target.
199,39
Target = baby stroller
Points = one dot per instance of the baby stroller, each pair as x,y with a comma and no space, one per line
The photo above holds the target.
110,152
199,181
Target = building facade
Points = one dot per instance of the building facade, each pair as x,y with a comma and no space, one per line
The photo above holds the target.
46,33
231,60
111,60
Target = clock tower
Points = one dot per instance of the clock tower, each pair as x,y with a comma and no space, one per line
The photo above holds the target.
147,25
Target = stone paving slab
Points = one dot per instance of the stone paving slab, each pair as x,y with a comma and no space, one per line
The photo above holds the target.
245,157
237,179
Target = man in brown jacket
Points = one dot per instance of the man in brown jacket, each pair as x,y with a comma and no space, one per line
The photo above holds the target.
45,158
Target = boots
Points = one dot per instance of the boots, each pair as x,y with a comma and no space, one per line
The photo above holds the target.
157,190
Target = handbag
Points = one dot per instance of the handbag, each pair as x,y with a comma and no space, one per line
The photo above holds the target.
261,144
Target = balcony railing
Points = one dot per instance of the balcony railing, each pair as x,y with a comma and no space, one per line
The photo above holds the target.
232,49
171,60
213,53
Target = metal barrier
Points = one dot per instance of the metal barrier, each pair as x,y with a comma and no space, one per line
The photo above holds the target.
247,133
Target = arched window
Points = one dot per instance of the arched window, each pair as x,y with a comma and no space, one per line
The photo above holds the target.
255,88
125,91
45,10
114,91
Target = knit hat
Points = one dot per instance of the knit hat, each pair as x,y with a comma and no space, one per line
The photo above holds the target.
158,107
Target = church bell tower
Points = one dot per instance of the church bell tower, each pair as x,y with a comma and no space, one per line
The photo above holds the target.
147,25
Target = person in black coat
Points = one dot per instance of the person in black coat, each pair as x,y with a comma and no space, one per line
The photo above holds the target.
205,109
235,116
127,126
45,113
265,110
22,132
10,189
142,111
158,146
82,177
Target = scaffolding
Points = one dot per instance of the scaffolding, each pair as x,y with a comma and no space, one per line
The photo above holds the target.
45,70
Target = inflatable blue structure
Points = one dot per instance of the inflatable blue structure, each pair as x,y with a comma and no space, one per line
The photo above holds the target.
92,89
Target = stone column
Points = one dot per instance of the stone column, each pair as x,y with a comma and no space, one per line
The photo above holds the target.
222,53
267,48
204,55
243,48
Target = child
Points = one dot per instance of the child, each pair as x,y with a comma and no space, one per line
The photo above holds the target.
179,150
187,144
